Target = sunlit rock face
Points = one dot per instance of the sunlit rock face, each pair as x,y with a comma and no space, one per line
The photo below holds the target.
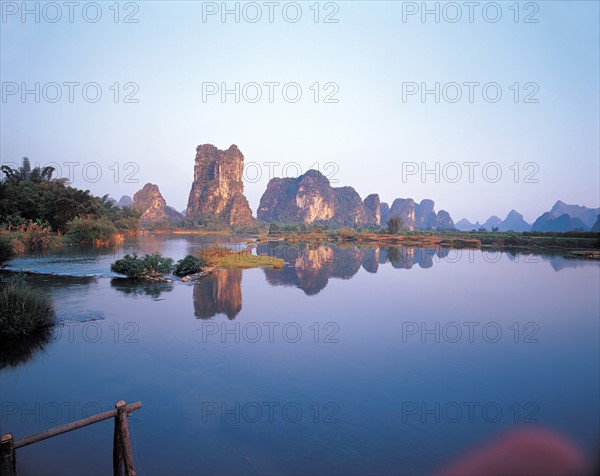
218,188
153,206
310,198
219,293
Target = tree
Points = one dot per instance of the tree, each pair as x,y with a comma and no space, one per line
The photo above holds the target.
394,225
108,203
26,173
32,194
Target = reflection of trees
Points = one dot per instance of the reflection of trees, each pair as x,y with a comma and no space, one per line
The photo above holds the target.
219,293
15,352
137,288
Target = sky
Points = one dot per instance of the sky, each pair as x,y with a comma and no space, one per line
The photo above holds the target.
482,108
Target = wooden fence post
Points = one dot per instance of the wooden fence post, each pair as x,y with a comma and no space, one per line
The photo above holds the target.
7,456
117,446
125,441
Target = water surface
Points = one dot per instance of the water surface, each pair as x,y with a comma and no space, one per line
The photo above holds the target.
351,360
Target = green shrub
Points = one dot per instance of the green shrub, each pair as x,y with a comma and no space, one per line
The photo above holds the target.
189,265
90,230
130,265
274,229
23,310
148,266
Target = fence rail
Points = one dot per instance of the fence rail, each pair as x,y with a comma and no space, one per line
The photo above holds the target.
122,455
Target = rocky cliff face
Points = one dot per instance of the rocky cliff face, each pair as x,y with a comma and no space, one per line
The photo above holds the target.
372,204
311,198
416,215
218,189
443,221
153,206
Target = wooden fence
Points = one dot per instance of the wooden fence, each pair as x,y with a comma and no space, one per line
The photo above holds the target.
122,456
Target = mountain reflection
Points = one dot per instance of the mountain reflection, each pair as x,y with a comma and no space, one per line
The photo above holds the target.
309,267
219,293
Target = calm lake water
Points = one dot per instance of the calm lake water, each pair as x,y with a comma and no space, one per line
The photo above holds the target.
347,361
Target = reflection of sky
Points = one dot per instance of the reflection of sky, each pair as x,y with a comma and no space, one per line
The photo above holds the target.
369,373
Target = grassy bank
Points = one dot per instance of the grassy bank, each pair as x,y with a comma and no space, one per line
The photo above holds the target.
370,238
222,257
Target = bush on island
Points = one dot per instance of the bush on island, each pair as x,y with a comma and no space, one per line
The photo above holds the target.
189,265
147,267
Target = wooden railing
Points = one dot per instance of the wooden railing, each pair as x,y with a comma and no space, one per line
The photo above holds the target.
122,456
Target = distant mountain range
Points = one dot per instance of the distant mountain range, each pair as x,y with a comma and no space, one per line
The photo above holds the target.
513,222
562,217
217,196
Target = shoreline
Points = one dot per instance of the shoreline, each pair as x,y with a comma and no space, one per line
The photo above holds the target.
582,247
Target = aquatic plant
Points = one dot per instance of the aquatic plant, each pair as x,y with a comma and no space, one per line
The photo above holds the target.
24,311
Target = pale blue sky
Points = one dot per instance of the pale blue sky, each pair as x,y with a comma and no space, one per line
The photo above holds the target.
369,53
